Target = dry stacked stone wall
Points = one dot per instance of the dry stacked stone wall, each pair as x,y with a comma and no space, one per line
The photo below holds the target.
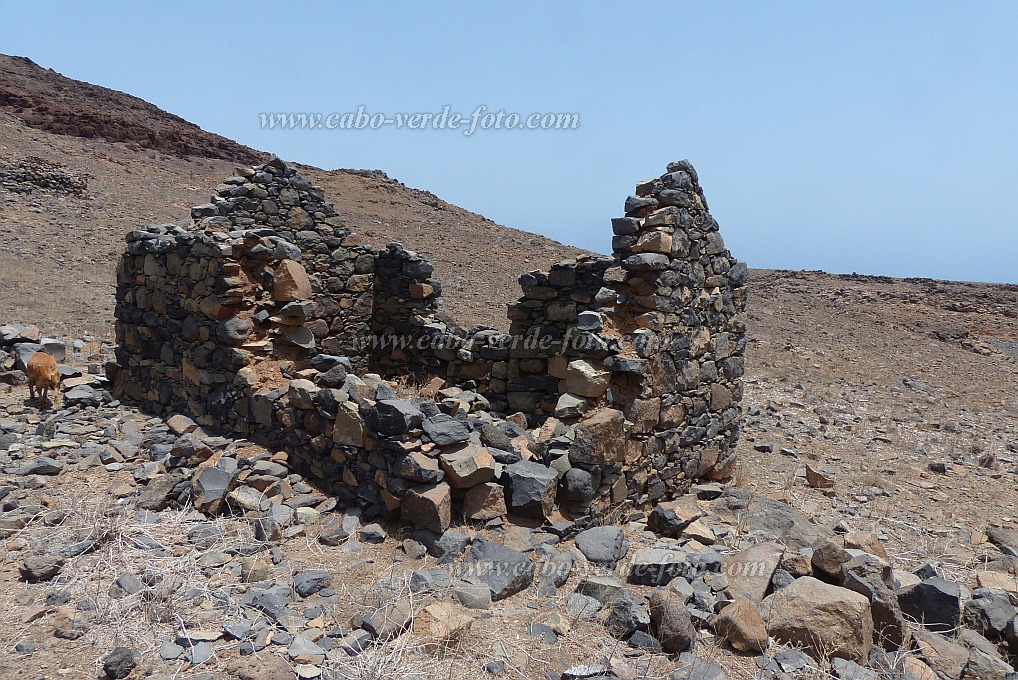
619,379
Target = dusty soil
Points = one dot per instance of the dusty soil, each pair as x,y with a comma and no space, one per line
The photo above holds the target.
874,379
869,380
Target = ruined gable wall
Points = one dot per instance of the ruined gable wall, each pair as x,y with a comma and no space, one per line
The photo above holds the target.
648,346
259,319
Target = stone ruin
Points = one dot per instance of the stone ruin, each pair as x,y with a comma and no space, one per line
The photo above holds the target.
619,379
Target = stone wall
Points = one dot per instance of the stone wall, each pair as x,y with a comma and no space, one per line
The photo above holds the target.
623,373
653,337
557,320
681,320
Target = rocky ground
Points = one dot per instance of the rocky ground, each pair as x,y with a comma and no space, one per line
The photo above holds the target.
882,417
845,486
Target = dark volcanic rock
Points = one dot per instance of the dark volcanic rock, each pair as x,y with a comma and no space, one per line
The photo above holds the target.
307,583
505,571
628,615
533,488
602,545
119,663
935,602
394,416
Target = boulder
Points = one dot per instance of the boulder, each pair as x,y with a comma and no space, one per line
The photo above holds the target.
828,556
672,624
505,571
604,545
40,465
333,377
473,596
784,523
308,582
749,571
449,545
495,438
441,625
445,430
303,394
844,669
430,580
644,262
40,567
628,615
389,621
267,530
578,486
10,333
740,624
419,467
428,506
290,282
817,479
81,395
862,540
555,572
234,331
692,667
984,666
22,352
587,378
303,651
14,378
119,663
604,589
570,406
598,439
349,429
468,467
582,607
669,518
336,530
484,502
945,657
825,620
656,566
301,336
872,577
157,494
1004,538
989,613
532,488
210,486
392,417
934,602
272,600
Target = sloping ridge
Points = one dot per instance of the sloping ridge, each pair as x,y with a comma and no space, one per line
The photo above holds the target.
144,165
48,101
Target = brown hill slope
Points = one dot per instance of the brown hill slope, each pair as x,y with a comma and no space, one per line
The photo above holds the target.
903,392
58,248
48,101
59,245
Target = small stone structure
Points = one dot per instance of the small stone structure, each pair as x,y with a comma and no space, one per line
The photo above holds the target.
620,377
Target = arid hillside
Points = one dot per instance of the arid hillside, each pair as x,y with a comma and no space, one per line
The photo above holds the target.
138,165
879,408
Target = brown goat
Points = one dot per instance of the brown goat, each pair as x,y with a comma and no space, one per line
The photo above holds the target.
43,375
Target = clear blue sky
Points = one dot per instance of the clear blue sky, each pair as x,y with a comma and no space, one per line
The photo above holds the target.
874,137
